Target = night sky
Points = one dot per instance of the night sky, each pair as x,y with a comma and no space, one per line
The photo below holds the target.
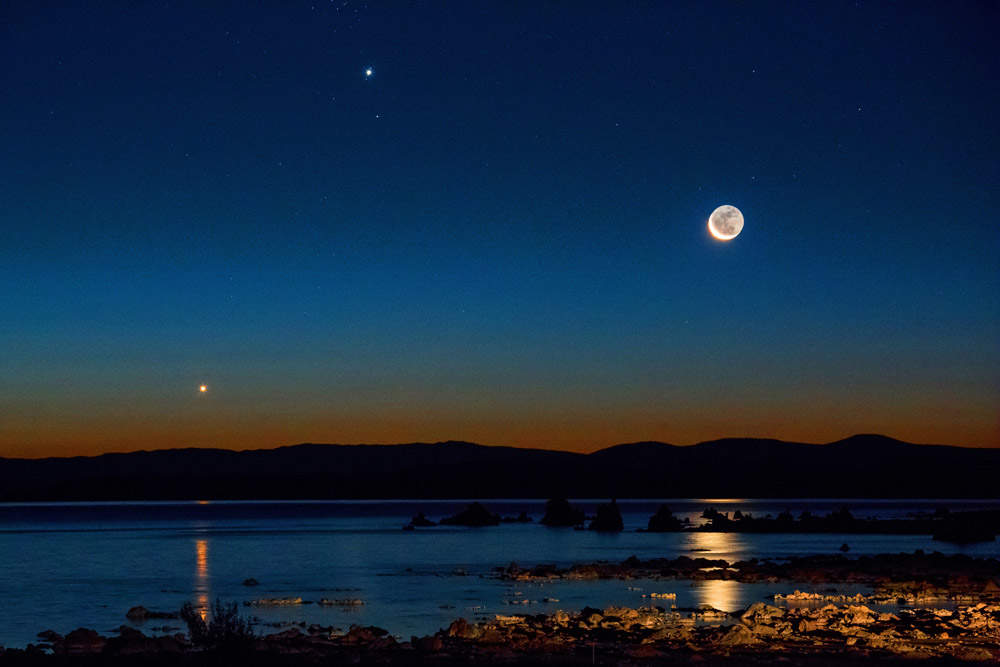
500,234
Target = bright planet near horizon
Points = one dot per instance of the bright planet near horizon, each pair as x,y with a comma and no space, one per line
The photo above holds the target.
725,223
203,388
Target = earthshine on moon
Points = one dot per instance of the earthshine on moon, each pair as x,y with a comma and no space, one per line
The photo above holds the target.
725,223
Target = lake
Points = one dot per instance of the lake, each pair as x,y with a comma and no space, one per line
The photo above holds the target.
68,565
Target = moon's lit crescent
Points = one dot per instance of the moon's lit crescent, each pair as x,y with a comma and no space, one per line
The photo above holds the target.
721,237
725,223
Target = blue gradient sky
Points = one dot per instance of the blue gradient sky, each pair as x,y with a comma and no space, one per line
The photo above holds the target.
500,235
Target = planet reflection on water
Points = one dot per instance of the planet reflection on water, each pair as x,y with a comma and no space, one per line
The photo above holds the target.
201,577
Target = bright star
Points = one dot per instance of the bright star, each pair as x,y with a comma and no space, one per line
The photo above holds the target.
203,388
369,72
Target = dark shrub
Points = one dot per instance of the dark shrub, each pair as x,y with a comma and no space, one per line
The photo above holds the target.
225,627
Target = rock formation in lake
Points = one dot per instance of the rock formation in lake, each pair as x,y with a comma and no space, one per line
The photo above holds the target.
559,512
420,521
608,518
664,522
473,515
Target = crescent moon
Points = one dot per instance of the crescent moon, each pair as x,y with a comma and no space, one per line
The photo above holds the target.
725,223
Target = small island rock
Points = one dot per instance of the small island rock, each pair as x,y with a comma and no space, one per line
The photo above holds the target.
558,512
608,518
474,515
421,521
664,521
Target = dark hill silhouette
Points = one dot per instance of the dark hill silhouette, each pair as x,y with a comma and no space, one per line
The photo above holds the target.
859,466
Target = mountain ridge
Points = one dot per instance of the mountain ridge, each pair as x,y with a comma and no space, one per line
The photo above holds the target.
842,441
862,465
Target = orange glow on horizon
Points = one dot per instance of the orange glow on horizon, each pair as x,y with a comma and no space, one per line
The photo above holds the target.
227,422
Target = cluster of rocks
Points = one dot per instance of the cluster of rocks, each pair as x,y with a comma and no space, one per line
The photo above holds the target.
518,598
910,578
129,641
968,632
846,632
293,602
558,512
276,602
631,568
140,614
971,633
909,593
341,602
959,527
806,596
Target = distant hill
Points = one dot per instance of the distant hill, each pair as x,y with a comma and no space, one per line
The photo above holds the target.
860,466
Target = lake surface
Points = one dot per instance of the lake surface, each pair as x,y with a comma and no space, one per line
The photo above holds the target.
64,566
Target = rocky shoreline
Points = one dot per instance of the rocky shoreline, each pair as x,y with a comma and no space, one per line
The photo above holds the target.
908,578
801,628
831,634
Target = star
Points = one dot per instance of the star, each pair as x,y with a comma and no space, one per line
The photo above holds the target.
203,388
369,72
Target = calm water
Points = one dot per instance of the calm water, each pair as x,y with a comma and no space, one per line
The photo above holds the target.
64,566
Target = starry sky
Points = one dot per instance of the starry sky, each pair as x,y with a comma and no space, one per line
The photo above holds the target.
499,233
